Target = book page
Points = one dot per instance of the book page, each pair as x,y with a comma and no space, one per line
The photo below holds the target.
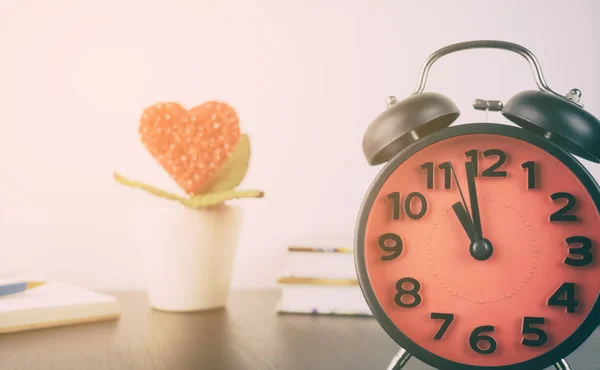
52,294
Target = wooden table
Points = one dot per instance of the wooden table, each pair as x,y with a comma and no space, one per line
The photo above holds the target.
247,335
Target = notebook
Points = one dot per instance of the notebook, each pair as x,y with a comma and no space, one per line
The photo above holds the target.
321,297
55,304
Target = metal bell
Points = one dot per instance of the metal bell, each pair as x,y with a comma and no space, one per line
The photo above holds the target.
404,122
559,119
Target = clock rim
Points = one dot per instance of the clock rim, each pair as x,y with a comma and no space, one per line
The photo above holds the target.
564,349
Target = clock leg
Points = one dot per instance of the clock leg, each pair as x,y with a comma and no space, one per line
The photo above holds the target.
401,359
562,365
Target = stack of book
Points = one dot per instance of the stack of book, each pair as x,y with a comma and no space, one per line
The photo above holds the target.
321,281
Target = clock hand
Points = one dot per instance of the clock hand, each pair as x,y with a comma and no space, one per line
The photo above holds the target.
481,249
463,217
464,204
473,199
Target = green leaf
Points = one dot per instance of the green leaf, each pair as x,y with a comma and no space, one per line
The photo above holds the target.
148,188
198,201
211,199
232,172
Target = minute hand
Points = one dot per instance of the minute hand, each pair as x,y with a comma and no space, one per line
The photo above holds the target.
473,199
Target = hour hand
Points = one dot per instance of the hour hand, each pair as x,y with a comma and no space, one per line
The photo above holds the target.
463,217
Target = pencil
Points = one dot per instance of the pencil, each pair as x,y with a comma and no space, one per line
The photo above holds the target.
19,287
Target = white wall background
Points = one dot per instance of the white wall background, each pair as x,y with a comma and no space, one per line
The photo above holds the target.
306,77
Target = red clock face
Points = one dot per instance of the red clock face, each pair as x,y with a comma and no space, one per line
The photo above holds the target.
503,280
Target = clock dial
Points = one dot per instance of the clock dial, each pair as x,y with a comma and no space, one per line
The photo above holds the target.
491,279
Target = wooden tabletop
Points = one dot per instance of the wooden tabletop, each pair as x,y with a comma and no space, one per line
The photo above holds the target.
247,335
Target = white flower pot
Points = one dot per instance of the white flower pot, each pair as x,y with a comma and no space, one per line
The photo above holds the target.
188,255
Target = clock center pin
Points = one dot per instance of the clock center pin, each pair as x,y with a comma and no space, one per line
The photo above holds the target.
481,250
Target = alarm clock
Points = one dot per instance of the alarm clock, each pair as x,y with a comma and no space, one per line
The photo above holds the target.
477,245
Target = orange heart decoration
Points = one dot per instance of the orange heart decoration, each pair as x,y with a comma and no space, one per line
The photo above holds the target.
190,145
